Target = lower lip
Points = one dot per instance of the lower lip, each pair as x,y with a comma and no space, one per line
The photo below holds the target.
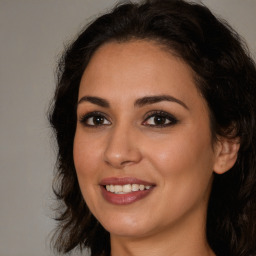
124,199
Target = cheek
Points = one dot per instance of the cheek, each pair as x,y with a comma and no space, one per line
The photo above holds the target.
86,158
173,152
184,169
86,154
183,161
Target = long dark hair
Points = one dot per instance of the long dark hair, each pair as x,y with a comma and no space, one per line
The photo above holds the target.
225,75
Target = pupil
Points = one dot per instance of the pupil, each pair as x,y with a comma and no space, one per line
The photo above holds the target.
98,120
159,120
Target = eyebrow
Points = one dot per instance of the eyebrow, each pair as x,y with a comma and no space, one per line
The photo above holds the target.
158,98
95,100
148,100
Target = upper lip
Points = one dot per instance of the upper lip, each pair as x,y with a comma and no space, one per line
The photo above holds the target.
124,181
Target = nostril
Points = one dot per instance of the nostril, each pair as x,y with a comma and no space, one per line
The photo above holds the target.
126,162
120,153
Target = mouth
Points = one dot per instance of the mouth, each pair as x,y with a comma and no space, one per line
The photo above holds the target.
123,191
127,188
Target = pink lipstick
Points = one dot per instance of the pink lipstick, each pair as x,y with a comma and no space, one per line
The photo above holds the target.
126,190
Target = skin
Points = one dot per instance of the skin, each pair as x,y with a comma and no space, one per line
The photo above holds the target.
179,159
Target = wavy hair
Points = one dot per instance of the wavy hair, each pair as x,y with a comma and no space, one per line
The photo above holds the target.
225,74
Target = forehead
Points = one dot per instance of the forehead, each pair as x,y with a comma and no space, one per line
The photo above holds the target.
135,68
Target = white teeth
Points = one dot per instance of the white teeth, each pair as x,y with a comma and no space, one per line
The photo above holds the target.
112,188
135,187
118,188
127,188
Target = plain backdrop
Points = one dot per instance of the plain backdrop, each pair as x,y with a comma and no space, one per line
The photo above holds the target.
32,35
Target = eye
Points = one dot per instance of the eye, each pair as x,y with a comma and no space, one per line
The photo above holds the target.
160,119
94,119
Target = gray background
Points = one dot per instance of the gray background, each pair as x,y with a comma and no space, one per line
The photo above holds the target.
32,34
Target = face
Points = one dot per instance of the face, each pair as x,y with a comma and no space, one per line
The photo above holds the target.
143,149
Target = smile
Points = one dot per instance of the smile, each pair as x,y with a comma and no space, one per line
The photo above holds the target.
127,188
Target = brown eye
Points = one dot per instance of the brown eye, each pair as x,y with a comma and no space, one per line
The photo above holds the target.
160,119
98,120
94,120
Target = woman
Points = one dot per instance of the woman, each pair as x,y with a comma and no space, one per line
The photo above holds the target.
154,115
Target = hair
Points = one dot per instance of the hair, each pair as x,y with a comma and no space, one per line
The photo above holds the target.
225,75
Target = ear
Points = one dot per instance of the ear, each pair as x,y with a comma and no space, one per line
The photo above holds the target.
226,151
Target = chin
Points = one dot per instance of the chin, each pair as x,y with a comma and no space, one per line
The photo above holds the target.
125,226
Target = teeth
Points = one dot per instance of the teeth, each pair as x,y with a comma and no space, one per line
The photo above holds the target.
112,188
118,188
127,188
135,187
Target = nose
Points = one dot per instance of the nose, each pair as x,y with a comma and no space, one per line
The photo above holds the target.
122,148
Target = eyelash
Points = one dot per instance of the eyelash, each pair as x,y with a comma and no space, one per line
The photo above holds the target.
153,114
84,119
162,114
